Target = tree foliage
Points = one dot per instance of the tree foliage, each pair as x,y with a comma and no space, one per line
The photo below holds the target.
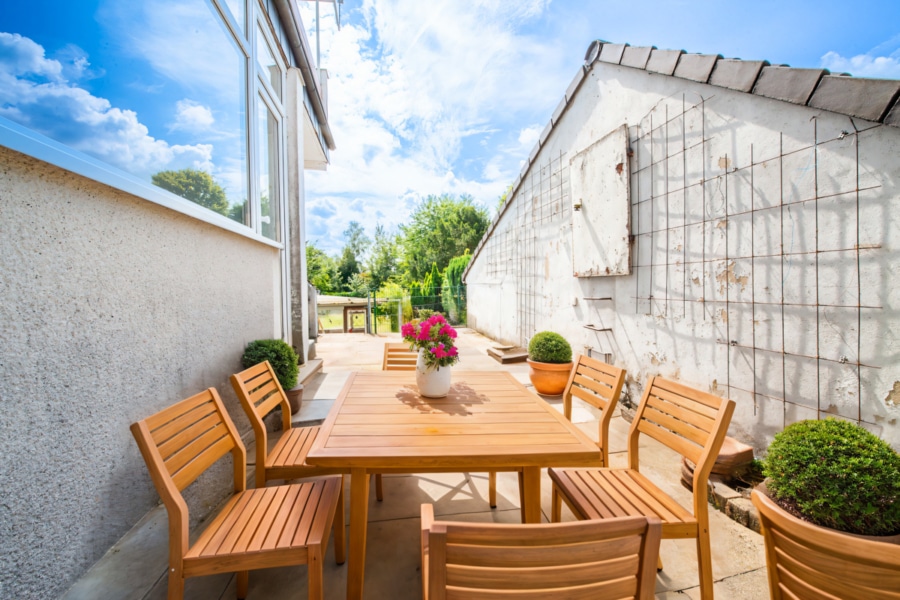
384,258
321,269
195,185
453,293
440,228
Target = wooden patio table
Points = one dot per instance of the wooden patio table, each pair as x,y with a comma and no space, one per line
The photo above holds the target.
488,422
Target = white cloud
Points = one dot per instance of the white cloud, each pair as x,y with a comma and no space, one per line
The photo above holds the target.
530,135
192,116
864,65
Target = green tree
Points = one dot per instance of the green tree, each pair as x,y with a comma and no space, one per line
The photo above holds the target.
503,198
440,228
321,269
350,261
453,292
383,259
195,185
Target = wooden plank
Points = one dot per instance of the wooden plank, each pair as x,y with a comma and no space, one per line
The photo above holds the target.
189,434
680,428
686,403
154,422
466,552
203,461
400,408
196,447
279,522
688,392
540,576
171,427
616,588
701,422
676,443
394,429
590,398
449,441
268,519
478,418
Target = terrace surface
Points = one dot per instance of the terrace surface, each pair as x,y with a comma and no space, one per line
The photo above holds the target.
135,567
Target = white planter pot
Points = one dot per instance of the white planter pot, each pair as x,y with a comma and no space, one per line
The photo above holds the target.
433,382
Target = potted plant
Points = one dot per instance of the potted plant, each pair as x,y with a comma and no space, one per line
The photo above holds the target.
284,362
830,483
434,339
550,359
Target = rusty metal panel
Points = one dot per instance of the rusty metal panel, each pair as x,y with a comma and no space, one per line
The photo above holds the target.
600,200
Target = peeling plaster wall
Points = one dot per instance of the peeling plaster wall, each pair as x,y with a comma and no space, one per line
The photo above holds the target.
748,260
112,309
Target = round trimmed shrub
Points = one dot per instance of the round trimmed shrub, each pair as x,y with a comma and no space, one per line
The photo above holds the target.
279,354
836,474
549,347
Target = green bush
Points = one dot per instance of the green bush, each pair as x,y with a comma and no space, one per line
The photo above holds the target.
281,356
549,347
836,474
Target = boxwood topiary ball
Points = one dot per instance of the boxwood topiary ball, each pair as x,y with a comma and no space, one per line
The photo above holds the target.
836,474
549,347
279,354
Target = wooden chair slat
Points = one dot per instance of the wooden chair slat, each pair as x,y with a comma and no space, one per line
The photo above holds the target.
174,412
191,471
677,443
640,489
527,556
710,400
597,381
309,515
540,576
292,523
170,428
189,434
262,393
398,357
590,397
674,425
212,537
702,422
685,402
197,446
618,589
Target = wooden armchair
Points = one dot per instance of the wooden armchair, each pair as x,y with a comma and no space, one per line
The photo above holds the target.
260,393
690,422
596,383
805,561
597,560
398,357
257,528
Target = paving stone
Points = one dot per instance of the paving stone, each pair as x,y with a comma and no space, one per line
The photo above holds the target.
787,83
737,74
867,99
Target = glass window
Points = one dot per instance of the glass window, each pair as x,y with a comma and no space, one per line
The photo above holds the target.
269,197
238,10
156,88
266,58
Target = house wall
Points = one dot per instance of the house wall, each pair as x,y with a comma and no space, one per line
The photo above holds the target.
761,261
112,309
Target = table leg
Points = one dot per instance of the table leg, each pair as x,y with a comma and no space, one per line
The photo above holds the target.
359,517
531,492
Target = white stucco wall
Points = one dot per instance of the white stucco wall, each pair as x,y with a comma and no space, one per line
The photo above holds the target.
112,309
748,264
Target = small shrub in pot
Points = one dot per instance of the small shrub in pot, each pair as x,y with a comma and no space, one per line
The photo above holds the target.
279,354
549,347
836,474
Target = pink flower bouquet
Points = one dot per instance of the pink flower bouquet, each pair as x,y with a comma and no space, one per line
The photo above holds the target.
436,337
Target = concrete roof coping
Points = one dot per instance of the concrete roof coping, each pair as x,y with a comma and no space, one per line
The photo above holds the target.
636,56
737,74
612,53
869,99
696,67
545,133
788,84
893,116
560,109
663,61
576,82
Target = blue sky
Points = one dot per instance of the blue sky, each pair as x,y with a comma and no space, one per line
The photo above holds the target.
437,96
426,96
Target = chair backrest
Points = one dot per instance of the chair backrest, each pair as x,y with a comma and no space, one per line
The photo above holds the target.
805,561
608,559
179,443
690,422
598,384
398,357
260,393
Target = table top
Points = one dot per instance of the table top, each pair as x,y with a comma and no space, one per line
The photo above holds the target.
488,419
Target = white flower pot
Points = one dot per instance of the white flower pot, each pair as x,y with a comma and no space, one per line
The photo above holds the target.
433,382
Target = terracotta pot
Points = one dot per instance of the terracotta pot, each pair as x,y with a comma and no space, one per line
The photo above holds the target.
295,398
549,379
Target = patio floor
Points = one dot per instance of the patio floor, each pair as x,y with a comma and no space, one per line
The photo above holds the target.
135,567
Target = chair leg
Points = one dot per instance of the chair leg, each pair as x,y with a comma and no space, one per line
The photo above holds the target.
379,491
704,565
340,529
314,572
555,506
492,489
522,493
659,565
176,585
243,584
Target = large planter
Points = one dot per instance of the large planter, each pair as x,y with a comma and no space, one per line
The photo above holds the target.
295,398
814,561
549,379
433,382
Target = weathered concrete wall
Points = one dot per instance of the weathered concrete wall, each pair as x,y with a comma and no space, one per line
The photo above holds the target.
762,260
112,308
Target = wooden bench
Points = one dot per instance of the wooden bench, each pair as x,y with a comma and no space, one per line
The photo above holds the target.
260,528
260,393
597,560
398,357
688,421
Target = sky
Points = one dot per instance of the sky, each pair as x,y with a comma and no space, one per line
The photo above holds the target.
426,97
450,96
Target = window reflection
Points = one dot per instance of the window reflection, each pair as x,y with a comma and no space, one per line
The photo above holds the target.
266,58
237,8
270,216
156,88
